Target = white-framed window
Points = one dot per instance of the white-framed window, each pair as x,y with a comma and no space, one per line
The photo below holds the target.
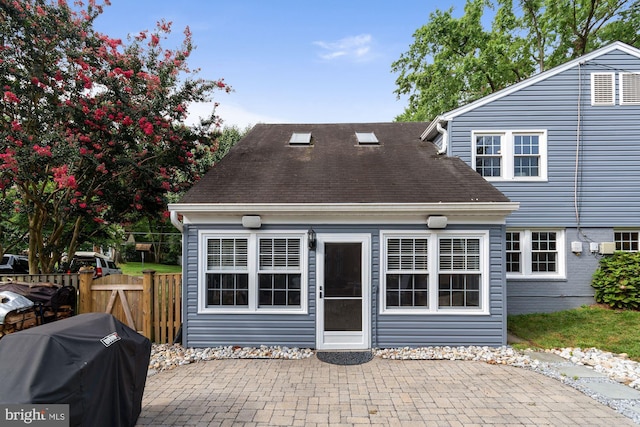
460,274
519,155
442,272
248,272
629,88
535,253
603,90
627,240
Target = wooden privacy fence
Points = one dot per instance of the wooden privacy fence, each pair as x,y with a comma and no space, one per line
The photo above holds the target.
62,279
150,304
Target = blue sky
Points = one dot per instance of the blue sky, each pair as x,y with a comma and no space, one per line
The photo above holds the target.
288,61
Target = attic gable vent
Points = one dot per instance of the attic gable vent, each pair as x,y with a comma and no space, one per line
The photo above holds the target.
603,89
366,138
300,138
629,88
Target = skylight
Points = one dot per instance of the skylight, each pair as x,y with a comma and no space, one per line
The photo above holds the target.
300,138
366,138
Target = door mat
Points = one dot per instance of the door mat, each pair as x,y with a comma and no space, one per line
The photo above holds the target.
345,357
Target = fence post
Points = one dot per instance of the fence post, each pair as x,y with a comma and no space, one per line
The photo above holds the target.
147,303
86,279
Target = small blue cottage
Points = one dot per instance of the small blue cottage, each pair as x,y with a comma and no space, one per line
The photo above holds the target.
342,236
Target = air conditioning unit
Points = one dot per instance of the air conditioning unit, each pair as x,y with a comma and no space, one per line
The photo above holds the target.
607,248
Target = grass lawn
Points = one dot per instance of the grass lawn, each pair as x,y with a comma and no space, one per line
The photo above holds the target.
617,331
136,268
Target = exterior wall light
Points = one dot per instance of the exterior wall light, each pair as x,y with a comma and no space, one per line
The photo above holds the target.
437,221
312,239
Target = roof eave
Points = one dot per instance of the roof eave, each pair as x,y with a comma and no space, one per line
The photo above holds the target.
480,208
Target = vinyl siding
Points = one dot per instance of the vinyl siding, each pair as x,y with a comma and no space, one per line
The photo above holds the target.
255,329
608,155
607,149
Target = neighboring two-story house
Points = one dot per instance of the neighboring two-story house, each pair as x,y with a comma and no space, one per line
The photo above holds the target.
565,144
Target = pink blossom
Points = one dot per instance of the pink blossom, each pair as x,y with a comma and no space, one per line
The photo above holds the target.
154,40
83,205
127,121
42,151
16,126
11,97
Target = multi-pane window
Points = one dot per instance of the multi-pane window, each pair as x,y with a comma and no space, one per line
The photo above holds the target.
248,272
534,253
407,279
488,155
279,272
434,272
544,252
626,241
526,155
459,276
514,252
517,155
227,272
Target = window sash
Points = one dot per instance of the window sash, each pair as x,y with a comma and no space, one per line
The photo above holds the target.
489,155
627,241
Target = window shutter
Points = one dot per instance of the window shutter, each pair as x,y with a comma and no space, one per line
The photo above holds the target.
603,89
629,88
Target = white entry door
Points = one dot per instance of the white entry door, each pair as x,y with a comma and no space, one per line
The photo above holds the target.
343,300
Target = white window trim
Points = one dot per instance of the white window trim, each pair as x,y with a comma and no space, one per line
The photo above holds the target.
434,271
507,154
525,259
612,101
621,85
625,230
252,269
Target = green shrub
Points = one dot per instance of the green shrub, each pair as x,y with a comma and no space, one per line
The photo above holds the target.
617,280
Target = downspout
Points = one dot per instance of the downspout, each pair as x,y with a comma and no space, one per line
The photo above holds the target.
445,138
180,226
175,221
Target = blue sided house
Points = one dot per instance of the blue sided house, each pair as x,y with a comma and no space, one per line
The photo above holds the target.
345,236
565,145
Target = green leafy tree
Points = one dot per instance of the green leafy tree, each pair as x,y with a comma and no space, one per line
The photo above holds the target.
92,128
454,61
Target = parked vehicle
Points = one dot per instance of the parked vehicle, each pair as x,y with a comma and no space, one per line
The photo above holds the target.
101,264
14,264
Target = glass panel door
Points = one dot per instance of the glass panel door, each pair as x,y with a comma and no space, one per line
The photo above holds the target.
343,292
343,287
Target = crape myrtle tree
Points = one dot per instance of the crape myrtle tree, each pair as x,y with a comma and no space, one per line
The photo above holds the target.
92,128
495,43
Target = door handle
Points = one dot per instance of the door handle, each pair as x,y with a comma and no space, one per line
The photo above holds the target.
320,292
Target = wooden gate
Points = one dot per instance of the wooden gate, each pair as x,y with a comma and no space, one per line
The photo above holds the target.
150,304
119,295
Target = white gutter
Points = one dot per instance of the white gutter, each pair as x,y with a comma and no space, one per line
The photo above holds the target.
175,221
471,206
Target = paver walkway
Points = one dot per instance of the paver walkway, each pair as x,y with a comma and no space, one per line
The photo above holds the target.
382,392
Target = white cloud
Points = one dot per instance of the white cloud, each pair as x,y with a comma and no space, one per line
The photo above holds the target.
230,114
354,47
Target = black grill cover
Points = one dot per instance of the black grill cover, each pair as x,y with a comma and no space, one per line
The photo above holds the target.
92,362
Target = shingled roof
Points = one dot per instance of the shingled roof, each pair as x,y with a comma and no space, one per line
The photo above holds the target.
334,168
